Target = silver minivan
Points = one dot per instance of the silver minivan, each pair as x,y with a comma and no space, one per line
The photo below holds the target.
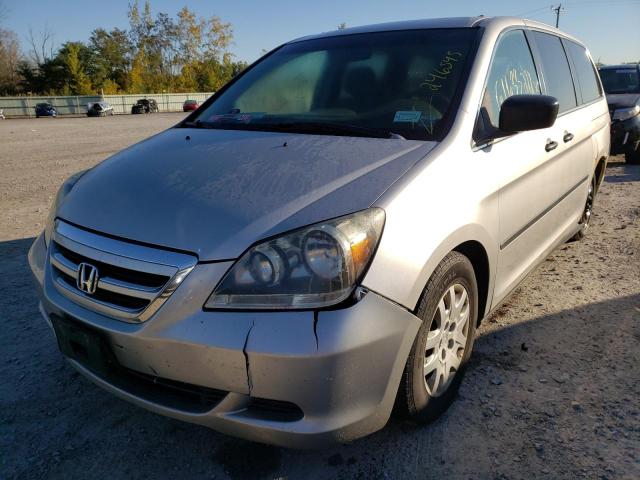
317,243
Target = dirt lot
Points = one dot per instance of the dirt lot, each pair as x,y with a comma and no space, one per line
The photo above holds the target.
553,389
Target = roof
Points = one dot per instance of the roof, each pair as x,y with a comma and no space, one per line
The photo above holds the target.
453,22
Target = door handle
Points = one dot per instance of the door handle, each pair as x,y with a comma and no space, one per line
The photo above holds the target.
551,145
567,137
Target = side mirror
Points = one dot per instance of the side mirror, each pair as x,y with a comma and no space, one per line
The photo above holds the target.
521,113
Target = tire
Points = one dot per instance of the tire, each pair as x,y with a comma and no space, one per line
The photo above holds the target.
632,158
587,214
419,397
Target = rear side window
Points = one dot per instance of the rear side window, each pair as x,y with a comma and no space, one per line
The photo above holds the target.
512,72
585,71
555,70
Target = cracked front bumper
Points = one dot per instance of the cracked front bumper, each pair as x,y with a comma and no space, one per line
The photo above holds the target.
341,370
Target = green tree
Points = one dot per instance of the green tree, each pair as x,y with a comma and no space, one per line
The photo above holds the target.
136,81
112,55
184,52
75,57
203,57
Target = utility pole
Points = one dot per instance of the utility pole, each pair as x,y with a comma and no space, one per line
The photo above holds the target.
557,9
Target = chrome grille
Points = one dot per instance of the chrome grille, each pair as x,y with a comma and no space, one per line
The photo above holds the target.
133,281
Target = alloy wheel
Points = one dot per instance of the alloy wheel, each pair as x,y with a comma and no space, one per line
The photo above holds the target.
588,208
446,340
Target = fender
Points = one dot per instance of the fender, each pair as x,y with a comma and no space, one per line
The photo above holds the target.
407,288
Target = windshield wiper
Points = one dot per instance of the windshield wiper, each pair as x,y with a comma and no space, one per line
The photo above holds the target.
299,127
332,129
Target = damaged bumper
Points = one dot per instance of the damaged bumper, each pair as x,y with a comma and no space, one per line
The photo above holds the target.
295,379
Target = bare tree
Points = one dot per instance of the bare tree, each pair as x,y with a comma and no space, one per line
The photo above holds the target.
41,45
9,59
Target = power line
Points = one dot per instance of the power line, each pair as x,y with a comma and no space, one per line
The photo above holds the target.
533,11
582,3
606,2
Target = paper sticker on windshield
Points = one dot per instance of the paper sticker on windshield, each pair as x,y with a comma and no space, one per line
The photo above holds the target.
405,116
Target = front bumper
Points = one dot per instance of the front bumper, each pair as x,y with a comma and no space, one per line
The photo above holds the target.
625,136
340,368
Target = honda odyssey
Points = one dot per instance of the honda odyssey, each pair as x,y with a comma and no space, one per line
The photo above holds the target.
317,243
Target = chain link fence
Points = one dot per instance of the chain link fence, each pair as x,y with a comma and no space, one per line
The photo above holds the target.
77,105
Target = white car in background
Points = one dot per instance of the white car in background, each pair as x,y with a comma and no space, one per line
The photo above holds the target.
99,109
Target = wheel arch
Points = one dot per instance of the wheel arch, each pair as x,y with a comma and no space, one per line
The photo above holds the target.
477,255
601,167
475,243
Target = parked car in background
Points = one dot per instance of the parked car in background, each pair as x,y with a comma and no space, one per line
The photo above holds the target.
145,106
45,110
622,86
190,105
320,239
99,109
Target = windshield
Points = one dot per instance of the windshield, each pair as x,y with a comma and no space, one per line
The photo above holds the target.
384,84
620,80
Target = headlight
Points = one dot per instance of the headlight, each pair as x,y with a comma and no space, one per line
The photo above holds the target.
63,191
625,113
312,267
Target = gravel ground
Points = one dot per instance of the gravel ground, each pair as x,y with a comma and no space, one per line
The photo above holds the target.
552,391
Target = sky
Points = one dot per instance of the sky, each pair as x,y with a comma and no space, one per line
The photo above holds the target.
609,28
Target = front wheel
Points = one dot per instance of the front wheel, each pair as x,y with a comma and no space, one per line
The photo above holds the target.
436,364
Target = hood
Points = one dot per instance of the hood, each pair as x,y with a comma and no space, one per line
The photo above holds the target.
216,192
622,100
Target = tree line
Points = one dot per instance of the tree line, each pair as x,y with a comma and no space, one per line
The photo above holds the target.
185,53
